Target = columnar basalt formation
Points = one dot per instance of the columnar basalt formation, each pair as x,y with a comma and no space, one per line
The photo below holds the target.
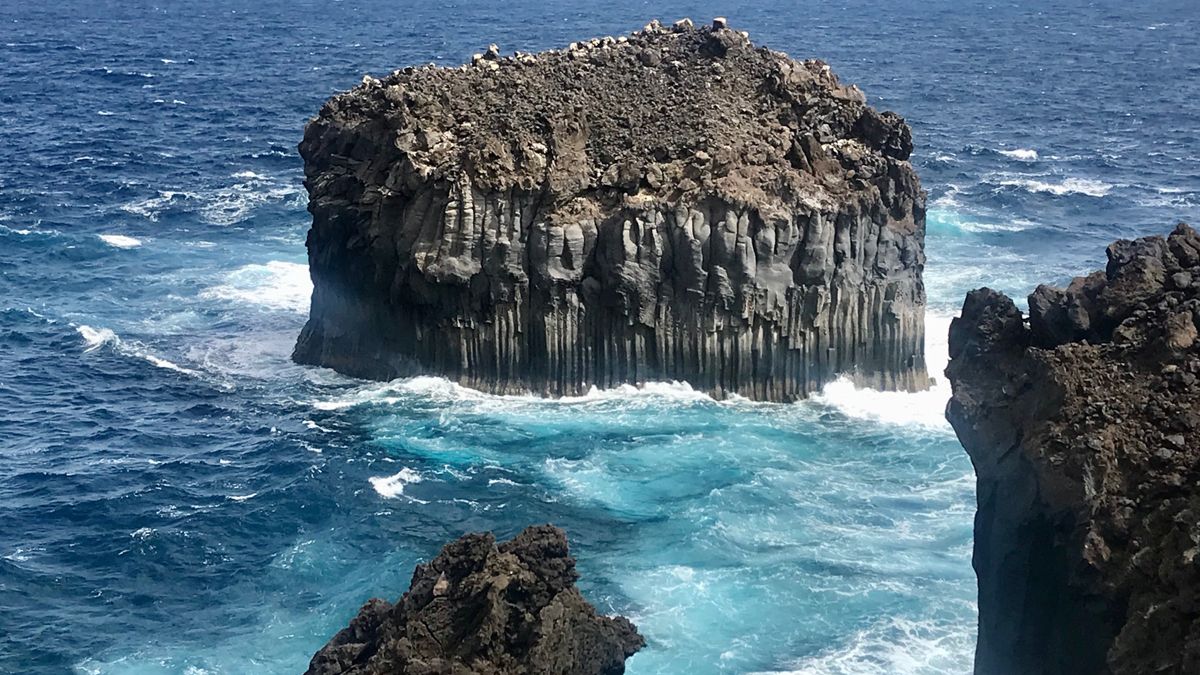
1084,428
673,205
482,609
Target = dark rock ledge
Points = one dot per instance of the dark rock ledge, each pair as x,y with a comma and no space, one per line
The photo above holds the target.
1084,428
676,204
482,609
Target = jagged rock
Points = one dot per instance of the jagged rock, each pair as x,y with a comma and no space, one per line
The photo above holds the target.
1084,429
674,205
482,609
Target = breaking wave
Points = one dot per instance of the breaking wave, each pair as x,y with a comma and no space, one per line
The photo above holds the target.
276,285
1081,186
120,241
95,338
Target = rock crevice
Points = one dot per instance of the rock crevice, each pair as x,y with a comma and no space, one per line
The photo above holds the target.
673,205
1083,425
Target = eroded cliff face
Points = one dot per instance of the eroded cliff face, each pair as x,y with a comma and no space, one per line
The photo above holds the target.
482,609
676,204
673,205
1084,428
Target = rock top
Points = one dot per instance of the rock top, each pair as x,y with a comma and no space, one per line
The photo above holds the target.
664,113
673,204
479,608
1084,429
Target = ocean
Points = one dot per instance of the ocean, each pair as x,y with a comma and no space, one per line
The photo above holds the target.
177,497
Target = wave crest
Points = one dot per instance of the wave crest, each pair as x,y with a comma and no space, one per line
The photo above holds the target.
95,338
391,487
120,240
1081,186
1023,154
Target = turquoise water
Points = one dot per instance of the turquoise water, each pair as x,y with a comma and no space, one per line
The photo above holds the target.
177,497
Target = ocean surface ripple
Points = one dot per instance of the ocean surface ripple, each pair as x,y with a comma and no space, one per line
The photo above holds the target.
177,497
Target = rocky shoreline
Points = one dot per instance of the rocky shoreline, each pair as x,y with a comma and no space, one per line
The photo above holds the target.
1084,428
676,204
485,609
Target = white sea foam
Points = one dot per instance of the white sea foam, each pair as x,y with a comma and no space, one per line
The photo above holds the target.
441,389
222,206
922,409
941,218
152,207
899,646
120,241
1082,186
393,486
275,285
235,203
1023,154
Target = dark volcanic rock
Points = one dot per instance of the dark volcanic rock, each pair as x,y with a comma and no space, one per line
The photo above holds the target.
1084,429
677,204
479,608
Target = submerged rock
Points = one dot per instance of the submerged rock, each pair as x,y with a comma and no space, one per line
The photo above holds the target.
479,608
1084,429
677,204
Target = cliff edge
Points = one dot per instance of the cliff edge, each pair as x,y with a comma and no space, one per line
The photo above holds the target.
479,608
676,204
1084,428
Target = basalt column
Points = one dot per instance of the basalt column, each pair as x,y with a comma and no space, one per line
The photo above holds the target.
677,204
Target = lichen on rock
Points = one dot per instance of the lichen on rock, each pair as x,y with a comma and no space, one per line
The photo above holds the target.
482,609
1084,429
677,204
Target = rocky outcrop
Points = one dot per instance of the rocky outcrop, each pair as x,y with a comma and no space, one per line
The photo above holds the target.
1084,428
677,204
482,609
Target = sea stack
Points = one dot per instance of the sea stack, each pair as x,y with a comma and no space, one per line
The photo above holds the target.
1084,428
480,608
677,204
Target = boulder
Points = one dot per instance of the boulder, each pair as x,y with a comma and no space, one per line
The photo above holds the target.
480,608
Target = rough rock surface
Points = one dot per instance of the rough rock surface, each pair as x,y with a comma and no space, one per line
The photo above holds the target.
482,609
1084,428
675,204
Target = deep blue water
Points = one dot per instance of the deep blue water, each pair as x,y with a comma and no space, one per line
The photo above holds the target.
177,497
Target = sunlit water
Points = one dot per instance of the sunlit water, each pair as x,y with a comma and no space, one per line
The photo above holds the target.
177,497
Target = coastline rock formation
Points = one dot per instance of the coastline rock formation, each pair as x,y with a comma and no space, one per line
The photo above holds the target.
1084,428
677,204
482,609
